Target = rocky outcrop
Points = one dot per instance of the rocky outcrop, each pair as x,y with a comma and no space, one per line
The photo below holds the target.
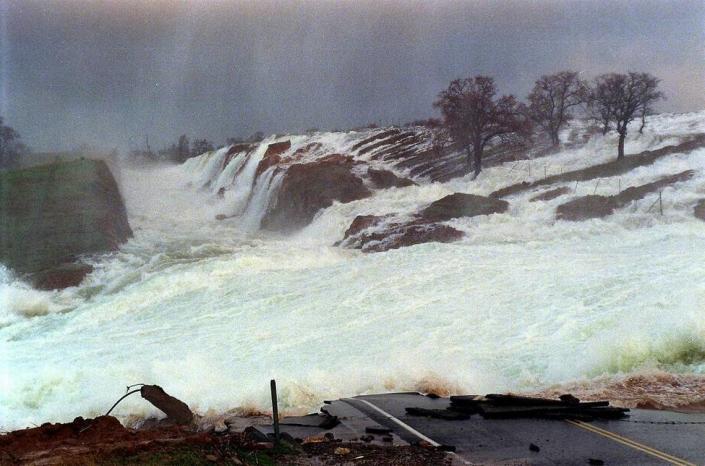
462,205
551,194
308,187
384,179
52,214
592,206
272,156
364,235
372,233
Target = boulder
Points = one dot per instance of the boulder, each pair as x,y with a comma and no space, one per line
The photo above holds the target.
462,205
374,233
363,222
61,276
586,207
363,235
52,214
383,179
308,187
402,235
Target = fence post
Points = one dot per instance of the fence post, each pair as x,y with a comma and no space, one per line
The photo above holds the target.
660,203
275,410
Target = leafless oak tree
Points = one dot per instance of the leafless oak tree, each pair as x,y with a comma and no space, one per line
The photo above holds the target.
552,98
620,98
474,116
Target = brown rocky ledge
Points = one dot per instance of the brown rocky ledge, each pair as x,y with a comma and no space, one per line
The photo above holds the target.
593,206
309,187
372,233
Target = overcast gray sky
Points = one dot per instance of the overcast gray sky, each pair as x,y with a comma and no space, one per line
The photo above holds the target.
109,72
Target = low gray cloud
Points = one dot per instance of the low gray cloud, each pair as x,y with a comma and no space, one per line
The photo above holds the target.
109,73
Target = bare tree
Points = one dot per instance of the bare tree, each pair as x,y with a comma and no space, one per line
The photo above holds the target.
474,116
11,148
440,139
552,98
620,98
649,95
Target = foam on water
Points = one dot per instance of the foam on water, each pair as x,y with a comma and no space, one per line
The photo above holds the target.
212,311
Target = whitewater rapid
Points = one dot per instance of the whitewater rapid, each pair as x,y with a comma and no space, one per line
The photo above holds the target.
212,311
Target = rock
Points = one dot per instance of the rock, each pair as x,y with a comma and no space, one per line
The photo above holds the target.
308,187
175,409
550,194
534,448
586,207
425,228
53,213
397,235
593,206
699,210
384,179
277,148
62,276
408,235
272,156
341,451
462,205
363,222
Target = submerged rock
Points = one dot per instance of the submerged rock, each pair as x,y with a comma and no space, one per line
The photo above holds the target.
384,179
462,205
593,206
308,187
52,214
61,276
373,233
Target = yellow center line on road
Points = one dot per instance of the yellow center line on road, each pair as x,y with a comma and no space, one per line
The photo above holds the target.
631,443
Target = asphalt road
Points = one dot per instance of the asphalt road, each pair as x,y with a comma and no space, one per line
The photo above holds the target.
644,438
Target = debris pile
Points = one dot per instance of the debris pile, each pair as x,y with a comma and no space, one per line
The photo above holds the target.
511,406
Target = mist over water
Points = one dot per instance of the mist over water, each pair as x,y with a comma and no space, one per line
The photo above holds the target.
211,310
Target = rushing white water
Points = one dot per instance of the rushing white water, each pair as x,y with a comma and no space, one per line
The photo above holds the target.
211,310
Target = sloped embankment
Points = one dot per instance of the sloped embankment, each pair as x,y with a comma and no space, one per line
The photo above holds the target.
51,214
604,170
594,206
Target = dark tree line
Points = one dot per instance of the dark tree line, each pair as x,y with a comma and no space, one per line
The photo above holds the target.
184,148
474,115
11,146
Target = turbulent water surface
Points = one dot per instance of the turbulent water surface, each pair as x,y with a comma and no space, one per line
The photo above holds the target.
211,310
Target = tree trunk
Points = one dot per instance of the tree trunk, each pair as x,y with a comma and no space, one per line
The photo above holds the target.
620,146
643,123
554,139
468,160
477,152
605,127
